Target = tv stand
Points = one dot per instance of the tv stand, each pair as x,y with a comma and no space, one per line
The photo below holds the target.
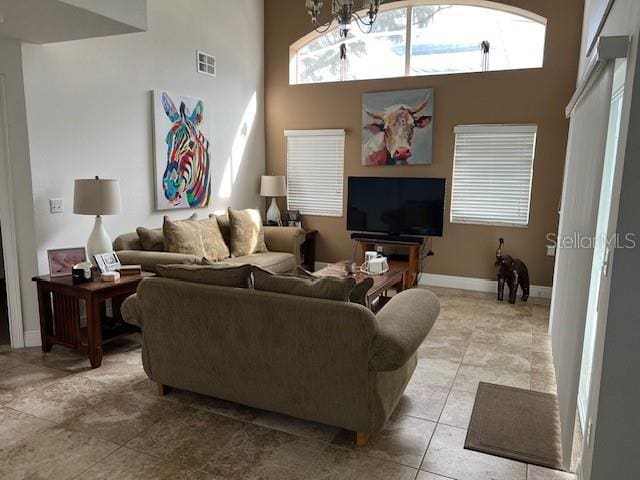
411,261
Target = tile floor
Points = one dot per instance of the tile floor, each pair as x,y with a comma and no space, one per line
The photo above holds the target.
61,420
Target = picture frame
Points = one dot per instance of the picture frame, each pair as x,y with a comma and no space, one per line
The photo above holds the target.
62,260
107,262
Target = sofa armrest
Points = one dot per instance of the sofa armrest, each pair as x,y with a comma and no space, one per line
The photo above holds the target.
130,311
284,239
402,326
149,260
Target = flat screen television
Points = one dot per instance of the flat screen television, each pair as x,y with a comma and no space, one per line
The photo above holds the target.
396,206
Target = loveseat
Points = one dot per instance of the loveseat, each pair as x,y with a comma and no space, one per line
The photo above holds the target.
328,361
283,245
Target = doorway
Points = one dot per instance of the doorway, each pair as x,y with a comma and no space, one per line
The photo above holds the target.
5,337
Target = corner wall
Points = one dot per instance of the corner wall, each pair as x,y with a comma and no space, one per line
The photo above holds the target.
89,112
521,96
11,68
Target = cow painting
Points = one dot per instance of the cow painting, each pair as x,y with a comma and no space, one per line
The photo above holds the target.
397,128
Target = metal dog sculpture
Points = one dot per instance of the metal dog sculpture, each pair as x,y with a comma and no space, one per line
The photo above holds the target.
513,273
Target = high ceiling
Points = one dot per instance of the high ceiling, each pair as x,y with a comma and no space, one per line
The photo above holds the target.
49,21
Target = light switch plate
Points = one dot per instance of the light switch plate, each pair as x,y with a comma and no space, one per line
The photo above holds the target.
56,205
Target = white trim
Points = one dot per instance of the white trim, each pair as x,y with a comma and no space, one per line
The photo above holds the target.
32,338
474,284
308,133
607,49
8,222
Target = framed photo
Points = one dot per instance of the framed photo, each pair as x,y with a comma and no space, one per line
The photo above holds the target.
62,260
107,262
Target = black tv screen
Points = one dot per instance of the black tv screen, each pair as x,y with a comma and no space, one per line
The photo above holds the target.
396,206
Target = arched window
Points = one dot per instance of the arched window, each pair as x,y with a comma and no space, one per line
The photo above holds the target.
422,38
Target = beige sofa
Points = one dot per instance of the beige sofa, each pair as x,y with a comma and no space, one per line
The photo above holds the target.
322,360
283,256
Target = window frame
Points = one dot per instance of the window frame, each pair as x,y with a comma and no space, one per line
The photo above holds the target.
484,129
310,133
295,47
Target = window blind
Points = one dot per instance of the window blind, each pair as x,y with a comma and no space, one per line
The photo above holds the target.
492,173
315,171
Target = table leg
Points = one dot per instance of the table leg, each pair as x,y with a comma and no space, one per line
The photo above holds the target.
94,322
46,317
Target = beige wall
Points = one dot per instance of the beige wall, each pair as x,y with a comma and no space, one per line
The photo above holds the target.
522,96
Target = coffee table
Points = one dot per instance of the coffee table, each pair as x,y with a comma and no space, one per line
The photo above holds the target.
377,295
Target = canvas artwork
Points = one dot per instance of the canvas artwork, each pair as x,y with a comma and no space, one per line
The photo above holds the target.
182,155
397,127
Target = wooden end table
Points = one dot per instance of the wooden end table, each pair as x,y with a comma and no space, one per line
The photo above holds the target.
308,250
59,305
376,296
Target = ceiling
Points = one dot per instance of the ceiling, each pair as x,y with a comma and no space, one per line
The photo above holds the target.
50,21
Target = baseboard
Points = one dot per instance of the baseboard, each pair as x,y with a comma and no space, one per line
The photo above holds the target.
32,338
475,284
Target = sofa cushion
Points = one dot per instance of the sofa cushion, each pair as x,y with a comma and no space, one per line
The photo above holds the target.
193,237
152,240
247,236
151,260
222,275
276,262
327,288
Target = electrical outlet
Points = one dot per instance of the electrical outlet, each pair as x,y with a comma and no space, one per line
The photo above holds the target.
379,248
56,205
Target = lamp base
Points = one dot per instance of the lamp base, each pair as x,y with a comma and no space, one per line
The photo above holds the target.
99,241
273,214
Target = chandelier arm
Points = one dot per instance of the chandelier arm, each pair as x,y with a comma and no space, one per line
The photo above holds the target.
324,28
361,23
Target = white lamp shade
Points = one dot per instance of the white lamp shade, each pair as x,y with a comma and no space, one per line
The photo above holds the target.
273,186
97,197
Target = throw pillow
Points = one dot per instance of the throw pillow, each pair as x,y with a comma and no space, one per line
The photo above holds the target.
327,288
183,236
152,240
225,228
220,274
193,237
247,236
215,248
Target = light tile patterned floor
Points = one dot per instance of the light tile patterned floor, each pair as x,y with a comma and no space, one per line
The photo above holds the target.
61,420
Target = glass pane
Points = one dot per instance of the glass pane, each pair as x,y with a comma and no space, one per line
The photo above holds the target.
378,54
319,60
447,38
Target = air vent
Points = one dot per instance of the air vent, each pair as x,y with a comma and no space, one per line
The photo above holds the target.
206,64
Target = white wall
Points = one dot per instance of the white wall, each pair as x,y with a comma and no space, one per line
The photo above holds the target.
11,68
89,113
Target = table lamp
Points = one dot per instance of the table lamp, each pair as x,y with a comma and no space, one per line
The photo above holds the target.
273,186
97,197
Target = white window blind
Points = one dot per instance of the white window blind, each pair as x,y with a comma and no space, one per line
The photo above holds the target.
492,173
315,171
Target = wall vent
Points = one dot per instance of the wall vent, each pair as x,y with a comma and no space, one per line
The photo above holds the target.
206,63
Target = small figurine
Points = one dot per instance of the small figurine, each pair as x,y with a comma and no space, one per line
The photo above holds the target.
513,273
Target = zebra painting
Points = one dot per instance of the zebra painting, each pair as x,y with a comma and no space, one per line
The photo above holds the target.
183,161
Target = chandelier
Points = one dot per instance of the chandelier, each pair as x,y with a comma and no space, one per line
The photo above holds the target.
343,12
